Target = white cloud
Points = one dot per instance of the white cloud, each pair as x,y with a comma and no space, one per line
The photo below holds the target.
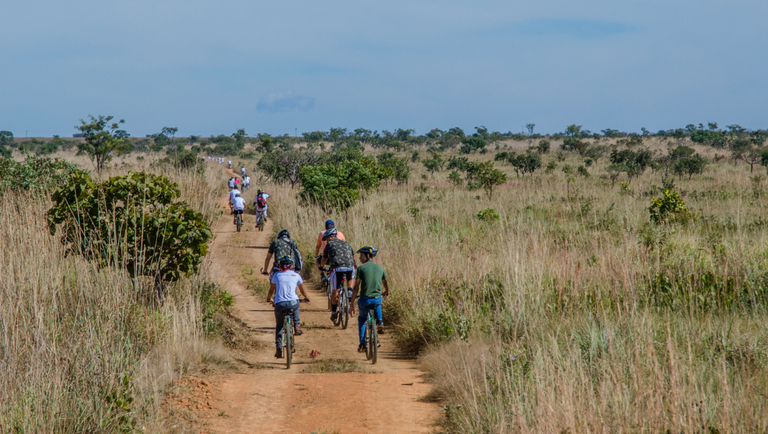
284,102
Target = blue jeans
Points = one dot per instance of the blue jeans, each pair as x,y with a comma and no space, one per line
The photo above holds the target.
280,318
364,305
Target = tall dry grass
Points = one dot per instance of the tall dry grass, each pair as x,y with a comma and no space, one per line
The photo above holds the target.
572,313
84,349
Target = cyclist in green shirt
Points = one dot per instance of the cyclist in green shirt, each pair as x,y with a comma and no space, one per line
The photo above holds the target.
370,277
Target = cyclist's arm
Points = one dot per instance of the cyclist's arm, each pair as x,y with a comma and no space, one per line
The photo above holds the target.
386,287
354,296
323,262
301,290
318,246
272,288
266,263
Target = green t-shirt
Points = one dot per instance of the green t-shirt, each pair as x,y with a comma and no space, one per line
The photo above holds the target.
370,275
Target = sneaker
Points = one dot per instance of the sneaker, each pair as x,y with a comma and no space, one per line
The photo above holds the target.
380,328
334,315
279,353
361,348
297,331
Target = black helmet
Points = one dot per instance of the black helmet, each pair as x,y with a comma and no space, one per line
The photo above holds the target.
329,232
284,234
368,249
285,261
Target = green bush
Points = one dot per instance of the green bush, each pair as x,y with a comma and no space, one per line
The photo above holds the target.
36,173
488,215
131,221
337,186
669,208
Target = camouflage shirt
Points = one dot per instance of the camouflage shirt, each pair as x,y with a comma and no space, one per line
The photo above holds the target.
279,248
339,254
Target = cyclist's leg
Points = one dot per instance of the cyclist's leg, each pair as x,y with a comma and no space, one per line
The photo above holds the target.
295,315
377,311
279,319
362,319
335,284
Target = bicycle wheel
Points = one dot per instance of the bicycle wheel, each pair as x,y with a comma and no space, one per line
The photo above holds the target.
339,308
239,222
369,338
374,341
261,223
288,341
345,312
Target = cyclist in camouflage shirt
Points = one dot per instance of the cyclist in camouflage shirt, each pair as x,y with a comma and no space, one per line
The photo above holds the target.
340,256
282,246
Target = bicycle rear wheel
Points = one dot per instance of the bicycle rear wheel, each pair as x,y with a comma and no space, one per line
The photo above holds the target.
339,308
369,338
239,222
288,342
374,342
344,313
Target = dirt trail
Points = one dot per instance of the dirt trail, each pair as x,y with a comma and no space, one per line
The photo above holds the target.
381,398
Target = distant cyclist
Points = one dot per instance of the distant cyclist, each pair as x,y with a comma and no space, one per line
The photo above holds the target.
370,277
321,244
238,206
260,201
282,246
246,182
231,183
282,285
229,166
242,171
340,257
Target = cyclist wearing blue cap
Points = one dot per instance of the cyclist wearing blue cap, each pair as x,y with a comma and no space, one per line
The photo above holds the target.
321,243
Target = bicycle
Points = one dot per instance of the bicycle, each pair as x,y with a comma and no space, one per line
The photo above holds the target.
372,344
326,284
342,316
260,221
239,220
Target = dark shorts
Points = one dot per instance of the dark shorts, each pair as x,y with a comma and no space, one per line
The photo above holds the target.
338,276
238,211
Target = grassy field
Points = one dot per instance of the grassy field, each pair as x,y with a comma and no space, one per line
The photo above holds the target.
85,349
573,312
570,312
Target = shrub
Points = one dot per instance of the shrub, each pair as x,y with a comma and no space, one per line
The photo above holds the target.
669,208
36,173
337,185
488,215
156,236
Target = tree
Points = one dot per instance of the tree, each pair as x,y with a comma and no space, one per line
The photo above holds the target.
488,177
689,166
337,186
6,139
286,165
434,164
530,128
472,144
102,140
455,179
752,156
239,137
266,143
131,221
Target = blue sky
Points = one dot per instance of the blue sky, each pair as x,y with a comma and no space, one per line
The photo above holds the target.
213,67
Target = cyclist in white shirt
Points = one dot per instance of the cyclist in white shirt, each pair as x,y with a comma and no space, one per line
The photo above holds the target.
283,284
232,194
242,171
247,181
238,206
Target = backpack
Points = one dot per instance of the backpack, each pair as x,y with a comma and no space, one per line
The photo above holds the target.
261,202
298,262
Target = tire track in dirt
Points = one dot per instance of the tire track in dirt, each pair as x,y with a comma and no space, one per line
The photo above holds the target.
267,398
